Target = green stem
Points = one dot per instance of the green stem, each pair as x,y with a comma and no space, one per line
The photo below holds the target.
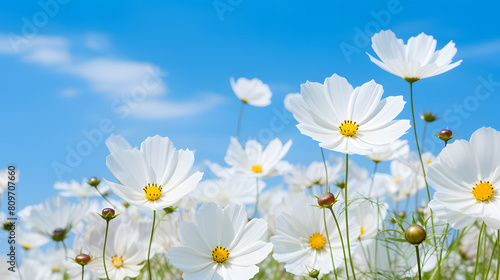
329,245
491,260
19,271
239,120
257,199
373,178
104,250
82,271
105,198
498,253
151,241
478,250
418,262
65,249
326,169
423,137
342,242
346,214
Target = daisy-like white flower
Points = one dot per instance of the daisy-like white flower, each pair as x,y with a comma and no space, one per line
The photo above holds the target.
31,239
253,92
303,177
74,188
221,244
4,179
397,149
56,217
414,61
347,120
366,213
152,177
465,176
255,162
407,175
234,189
301,242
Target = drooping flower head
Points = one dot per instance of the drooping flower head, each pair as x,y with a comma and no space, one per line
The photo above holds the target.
347,120
152,177
253,92
466,176
414,61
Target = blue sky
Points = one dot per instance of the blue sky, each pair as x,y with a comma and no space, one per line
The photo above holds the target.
72,68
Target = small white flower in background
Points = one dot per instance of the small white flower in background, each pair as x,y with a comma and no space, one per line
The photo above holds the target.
4,179
465,177
397,149
303,177
55,217
375,188
253,92
75,189
221,244
416,60
30,239
300,241
347,120
468,242
154,177
236,189
407,175
366,212
255,162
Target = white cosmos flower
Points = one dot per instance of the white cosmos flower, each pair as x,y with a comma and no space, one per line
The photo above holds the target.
301,242
221,244
255,162
416,60
253,92
55,217
4,178
154,177
347,120
234,189
73,188
465,177
397,149
303,177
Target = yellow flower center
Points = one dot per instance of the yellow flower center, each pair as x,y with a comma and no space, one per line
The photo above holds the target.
362,231
220,254
257,168
396,180
117,262
27,247
483,190
429,162
244,100
152,192
317,241
348,128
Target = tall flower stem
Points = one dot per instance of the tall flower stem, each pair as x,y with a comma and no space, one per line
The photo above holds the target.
478,249
104,250
82,271
257,198
346,214
151,241
373,178
65,249
418,262
341,242
326,170
498,254
239,120
330,246
105,198
423,136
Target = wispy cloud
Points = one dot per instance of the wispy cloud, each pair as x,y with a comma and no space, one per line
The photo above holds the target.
111,77
484,49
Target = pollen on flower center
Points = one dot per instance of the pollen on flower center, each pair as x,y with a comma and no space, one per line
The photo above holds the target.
317,241
152,192
220,254
348,128
483,190
257,168
362,231
117,262
396,180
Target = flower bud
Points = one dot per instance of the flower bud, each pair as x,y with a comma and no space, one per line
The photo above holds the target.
415,234
59,234
94,182
445,135
326,199
402,214
82,259
108,214
428,117
314,274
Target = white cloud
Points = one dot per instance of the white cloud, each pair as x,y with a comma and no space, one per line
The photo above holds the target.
481,50
160,109
114,78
